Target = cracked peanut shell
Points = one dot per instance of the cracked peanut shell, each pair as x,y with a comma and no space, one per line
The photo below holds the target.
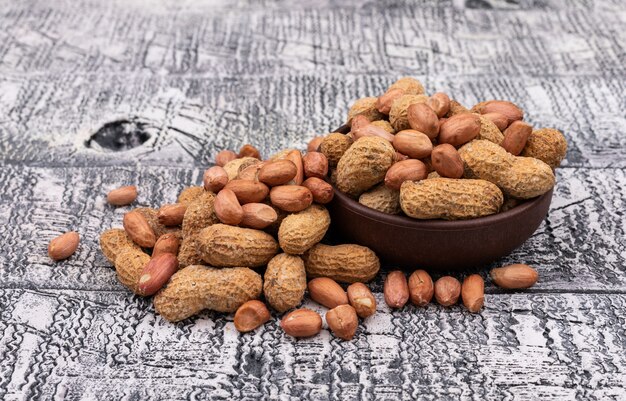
489,131
196,288
450,198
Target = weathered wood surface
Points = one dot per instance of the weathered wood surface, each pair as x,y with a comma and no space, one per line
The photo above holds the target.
205,77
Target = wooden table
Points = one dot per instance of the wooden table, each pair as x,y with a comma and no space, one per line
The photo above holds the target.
198,78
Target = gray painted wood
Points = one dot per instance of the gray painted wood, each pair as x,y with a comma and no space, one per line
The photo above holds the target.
204,77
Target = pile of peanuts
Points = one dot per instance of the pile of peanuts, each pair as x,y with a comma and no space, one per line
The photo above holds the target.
252,231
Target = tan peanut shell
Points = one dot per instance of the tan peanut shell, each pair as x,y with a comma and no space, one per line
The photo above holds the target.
399,108
199,214
546,144
233,167
115,241
366,107
518,177
346,263
449,198
196,288
409,85
284,282
364,165
489,131
298,232
129,264
382,198
188,252
227,246
334,145
189,194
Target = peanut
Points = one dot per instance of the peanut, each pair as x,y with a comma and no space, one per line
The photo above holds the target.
334,146
196,288
122,196
473,292
321,190
156,273
446,161
235,166
413,143
499,120
251,315
277,172
346,263
343,321
515,137
167,243
406,170
364,165
302,323
371,130
300,231
383,199
248,150
326,292
114,241
546,144
396,289
285,282
224,157
447,290
63,246
398,113
440,103
422,118
227,207
138,229
421,288
361,299
315,165
504,107
171,215
248,191
314,144
518,177
459,129
214,179
365,106
517,276
384,102
291,198
258,215
227,246
449,199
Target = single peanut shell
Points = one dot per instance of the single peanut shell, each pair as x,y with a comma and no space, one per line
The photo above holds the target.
227,246
546,144
298,232
199,214
129,264
196,288
188,252
114,241
364,165
383,199
334,146
450,199
285,282
518,177
347,263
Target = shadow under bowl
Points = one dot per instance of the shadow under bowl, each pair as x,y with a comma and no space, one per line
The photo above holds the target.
401,241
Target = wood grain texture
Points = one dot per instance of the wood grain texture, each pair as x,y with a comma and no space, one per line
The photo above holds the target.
207,76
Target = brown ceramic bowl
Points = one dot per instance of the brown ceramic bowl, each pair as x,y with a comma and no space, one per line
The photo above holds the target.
401,241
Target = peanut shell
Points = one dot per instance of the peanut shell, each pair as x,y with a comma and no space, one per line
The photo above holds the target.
364,165
346,263
298,232
284,282
227,246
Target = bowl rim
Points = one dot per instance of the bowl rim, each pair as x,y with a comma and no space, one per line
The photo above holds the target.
436,224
